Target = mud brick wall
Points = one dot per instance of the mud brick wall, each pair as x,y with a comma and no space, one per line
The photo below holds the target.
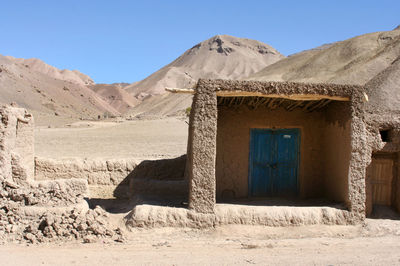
96,172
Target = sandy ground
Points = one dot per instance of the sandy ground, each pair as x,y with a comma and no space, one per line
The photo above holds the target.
228,245
143,139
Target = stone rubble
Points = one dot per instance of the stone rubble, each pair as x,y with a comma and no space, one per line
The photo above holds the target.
50,224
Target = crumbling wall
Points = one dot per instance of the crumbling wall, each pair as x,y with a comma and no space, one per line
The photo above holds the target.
39,211
16,144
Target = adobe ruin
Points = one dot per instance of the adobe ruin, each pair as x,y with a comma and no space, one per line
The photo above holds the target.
46,210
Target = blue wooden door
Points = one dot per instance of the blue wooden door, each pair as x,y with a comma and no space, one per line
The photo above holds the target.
274,161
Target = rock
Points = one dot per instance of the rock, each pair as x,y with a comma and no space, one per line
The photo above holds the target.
30,237
11,184
89,239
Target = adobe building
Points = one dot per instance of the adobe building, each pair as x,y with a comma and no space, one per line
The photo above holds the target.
382,113
284,142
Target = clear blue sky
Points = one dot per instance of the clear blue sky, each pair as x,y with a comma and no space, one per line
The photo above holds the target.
125,41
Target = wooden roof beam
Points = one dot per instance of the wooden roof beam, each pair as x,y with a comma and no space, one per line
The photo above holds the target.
296,97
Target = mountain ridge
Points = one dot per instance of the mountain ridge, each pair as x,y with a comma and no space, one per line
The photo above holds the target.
219,57
352,61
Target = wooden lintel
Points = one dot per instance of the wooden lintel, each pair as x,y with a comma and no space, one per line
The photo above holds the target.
176,90
296,97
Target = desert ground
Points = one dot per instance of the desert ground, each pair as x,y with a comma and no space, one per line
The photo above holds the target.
140,139
377,242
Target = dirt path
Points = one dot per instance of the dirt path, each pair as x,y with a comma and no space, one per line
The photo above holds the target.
228,245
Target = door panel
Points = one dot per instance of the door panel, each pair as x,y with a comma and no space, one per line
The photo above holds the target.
381,176
274,160
262,158
287,162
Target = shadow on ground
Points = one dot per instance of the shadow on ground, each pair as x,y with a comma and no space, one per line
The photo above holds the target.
384,212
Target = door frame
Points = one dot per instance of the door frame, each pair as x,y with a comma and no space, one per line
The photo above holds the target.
299,143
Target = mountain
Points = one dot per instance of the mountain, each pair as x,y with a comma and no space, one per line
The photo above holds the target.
220,57
38,65
384,88
353,61
115,95
44,89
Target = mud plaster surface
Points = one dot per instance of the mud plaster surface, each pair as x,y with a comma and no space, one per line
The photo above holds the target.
158,216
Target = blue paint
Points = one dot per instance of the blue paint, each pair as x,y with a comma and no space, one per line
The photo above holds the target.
274,161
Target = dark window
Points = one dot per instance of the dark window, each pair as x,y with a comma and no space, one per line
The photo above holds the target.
385,136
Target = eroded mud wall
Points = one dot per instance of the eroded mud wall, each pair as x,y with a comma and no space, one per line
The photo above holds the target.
16,144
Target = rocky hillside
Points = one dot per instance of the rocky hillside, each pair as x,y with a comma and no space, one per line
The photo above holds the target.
44,89
116,95
222,56
385,87
38,65
353,61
